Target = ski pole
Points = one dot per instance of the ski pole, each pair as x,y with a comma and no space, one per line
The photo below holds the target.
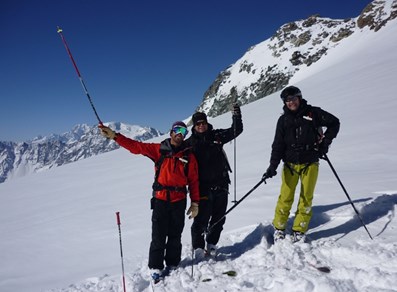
121,248
347,195
234,162
192,260
59,30
209,229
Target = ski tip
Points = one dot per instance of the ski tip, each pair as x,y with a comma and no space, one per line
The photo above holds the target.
324,269
230,273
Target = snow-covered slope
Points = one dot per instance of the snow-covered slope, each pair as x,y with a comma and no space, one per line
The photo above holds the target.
59,233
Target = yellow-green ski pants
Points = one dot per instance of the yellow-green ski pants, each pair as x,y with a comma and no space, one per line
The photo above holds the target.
291,174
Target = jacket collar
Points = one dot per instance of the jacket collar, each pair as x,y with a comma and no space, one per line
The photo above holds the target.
167,148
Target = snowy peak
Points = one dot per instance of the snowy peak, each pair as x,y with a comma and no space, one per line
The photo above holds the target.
377,14
140,133
268,66
83,141
75,134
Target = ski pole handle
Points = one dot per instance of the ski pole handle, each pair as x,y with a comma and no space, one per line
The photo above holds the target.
118,218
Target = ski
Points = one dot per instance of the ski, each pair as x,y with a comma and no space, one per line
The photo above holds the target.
324,269
230,273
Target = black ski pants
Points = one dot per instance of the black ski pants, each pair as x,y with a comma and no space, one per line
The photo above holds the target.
168,220
210,211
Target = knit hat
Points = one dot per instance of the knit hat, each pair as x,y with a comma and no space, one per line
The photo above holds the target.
179,123
199,116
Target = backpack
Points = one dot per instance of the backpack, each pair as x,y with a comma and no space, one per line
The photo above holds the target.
184,159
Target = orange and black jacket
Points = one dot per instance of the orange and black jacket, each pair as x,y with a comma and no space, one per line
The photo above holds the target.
178,168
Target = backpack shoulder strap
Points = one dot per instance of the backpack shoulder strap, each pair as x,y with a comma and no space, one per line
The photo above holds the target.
318,130
185,160
158,166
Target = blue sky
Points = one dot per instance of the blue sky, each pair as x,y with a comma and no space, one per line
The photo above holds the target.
144,62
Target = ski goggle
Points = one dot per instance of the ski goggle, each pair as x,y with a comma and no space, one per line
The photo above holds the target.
200,123
291,98
180,130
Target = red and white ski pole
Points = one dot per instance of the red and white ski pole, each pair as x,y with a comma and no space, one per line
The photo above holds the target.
59,31
121,248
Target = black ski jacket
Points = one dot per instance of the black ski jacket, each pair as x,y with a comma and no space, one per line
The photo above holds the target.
298,133
212,161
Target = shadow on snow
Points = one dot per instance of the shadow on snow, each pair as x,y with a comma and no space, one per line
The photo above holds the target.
249,242
380,207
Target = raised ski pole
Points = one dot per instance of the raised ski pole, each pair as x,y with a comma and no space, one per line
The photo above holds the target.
325,157
121,248
209,229
59,30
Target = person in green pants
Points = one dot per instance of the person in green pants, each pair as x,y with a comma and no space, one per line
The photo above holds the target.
299,142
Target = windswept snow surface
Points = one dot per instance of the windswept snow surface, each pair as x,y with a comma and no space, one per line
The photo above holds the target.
59,233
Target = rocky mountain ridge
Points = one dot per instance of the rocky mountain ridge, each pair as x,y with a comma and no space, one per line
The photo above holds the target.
268,66
41,153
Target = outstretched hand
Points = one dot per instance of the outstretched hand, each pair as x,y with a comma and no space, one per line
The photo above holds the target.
107,132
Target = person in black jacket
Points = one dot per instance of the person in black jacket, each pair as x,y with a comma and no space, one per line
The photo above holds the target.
299,141
207,145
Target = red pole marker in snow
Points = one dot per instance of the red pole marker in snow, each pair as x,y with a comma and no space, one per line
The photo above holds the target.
121,248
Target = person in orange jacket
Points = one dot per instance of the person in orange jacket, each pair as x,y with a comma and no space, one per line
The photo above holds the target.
175,170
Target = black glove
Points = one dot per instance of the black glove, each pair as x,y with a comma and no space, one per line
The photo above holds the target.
323,147
270,172
236,110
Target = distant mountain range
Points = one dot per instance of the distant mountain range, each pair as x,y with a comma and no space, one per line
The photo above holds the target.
269,66
264,69
41,153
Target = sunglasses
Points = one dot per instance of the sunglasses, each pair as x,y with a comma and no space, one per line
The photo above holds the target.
201,123
290,98
180,130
